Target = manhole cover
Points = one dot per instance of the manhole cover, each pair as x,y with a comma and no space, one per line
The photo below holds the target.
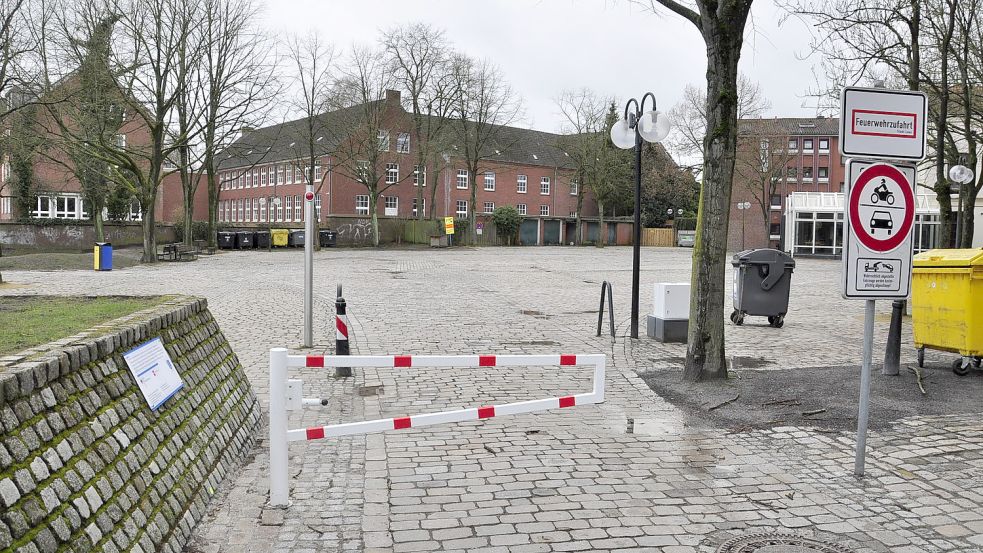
779,543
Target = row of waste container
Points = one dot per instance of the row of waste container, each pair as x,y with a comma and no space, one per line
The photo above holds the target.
281,238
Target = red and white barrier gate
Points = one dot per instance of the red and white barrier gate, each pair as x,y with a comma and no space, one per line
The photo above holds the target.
280,361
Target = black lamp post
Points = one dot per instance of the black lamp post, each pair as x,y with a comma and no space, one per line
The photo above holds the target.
638,126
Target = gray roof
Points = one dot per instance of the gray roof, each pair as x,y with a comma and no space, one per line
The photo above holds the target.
285,141
789,126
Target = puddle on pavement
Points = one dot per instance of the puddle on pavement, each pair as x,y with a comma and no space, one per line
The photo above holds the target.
654,427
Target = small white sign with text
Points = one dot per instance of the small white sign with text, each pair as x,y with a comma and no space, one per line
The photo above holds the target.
154,372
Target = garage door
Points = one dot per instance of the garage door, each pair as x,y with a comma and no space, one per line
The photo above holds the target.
529,232
551,233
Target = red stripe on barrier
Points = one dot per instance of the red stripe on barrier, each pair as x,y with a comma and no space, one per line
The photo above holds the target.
486,360
568,360
402,361
486,412
568,401
341,327
314,361
315,433
400,423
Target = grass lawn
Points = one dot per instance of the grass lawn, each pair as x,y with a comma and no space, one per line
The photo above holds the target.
66,261
27,321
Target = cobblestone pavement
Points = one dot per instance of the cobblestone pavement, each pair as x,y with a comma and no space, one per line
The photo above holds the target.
632,474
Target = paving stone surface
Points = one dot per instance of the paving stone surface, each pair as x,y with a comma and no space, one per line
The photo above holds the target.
569,480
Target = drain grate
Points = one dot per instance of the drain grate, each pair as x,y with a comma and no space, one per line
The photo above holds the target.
779,543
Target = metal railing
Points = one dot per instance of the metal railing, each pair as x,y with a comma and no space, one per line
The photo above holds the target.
605,286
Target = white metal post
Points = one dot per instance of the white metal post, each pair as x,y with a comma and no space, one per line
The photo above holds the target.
599,378
861,453
279,485
309,268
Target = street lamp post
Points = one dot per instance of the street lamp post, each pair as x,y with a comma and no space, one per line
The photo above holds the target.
743,207
637,126
961,175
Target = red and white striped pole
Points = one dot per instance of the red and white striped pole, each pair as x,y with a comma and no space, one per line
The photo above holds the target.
341,346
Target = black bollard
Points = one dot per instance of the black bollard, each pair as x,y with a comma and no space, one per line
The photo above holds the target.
892,354
341,334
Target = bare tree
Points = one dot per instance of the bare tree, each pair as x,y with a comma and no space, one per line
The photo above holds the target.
17,44
189,110
689,118
419,58
968,102
484,105
609,177
584,136
722,26
239,87
313,78
762,159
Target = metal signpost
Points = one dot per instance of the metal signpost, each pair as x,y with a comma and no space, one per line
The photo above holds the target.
878,124
308,266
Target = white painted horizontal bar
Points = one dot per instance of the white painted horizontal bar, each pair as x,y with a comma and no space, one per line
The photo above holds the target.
527,406
442,360
460,415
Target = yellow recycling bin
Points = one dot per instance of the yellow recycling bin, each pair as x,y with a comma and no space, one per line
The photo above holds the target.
947,305
280,236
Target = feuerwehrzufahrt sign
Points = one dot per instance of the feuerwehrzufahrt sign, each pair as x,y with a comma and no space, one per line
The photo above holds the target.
880,216
883,124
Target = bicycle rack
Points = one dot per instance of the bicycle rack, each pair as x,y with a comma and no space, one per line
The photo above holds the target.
600,310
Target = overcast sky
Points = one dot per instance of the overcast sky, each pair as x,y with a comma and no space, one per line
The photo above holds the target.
544,47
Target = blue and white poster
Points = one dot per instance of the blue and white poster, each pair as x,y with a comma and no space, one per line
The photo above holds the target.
154,372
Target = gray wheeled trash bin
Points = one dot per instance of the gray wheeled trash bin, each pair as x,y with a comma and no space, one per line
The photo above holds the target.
762,280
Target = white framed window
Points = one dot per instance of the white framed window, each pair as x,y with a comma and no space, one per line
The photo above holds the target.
392,173
279,209
823,144
262,211
520,184
317,170
544,210
362,204
289,201
298,209
362,169
419,177
574,187
383,140
424,207
403,143
295,169
5,206
489,207
280,169
521,208
247,213
824,173
264,177
489,181
392,206
807,145
288,174
4,171
462,179
238,216
544,186
317,207
793,144
462,208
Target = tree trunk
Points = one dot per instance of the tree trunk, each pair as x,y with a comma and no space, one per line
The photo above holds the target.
602,229
149,236
373,202
97,222
942,190
213,190
578,227
705,356
473,211
189,207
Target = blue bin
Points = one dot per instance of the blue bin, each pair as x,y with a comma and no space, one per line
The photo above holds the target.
102,256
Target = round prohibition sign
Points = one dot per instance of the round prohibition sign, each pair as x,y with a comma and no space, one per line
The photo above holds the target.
857,194
309,196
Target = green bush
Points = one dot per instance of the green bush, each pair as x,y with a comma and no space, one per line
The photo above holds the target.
507,221
199,230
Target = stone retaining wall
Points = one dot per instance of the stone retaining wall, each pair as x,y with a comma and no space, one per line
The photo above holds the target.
86,465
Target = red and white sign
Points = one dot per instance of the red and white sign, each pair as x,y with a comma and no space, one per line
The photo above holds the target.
883,124
880,215
309,196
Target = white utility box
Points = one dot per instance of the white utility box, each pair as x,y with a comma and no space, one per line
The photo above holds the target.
670,301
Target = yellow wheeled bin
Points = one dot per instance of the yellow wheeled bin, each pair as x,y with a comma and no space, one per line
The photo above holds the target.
280,237
947,305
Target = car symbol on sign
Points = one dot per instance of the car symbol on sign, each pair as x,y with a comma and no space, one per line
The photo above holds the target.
877,266
882,220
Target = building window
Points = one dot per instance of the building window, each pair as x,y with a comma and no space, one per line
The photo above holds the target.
544,186
522,209
289,200
279,209
120,140
793,144
419,177
317,207
403,143
823,144
392,206
489,207
288,173
279,174
807,145
462,179
298,209
520,184
361,204
362,170
574,187
462,208
295,171
424,207
775,231
240,214
489,181
248,215
824,173
264,177
792,172
262,210
317,171
392,173
544,210
383,140
807,173
776,201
